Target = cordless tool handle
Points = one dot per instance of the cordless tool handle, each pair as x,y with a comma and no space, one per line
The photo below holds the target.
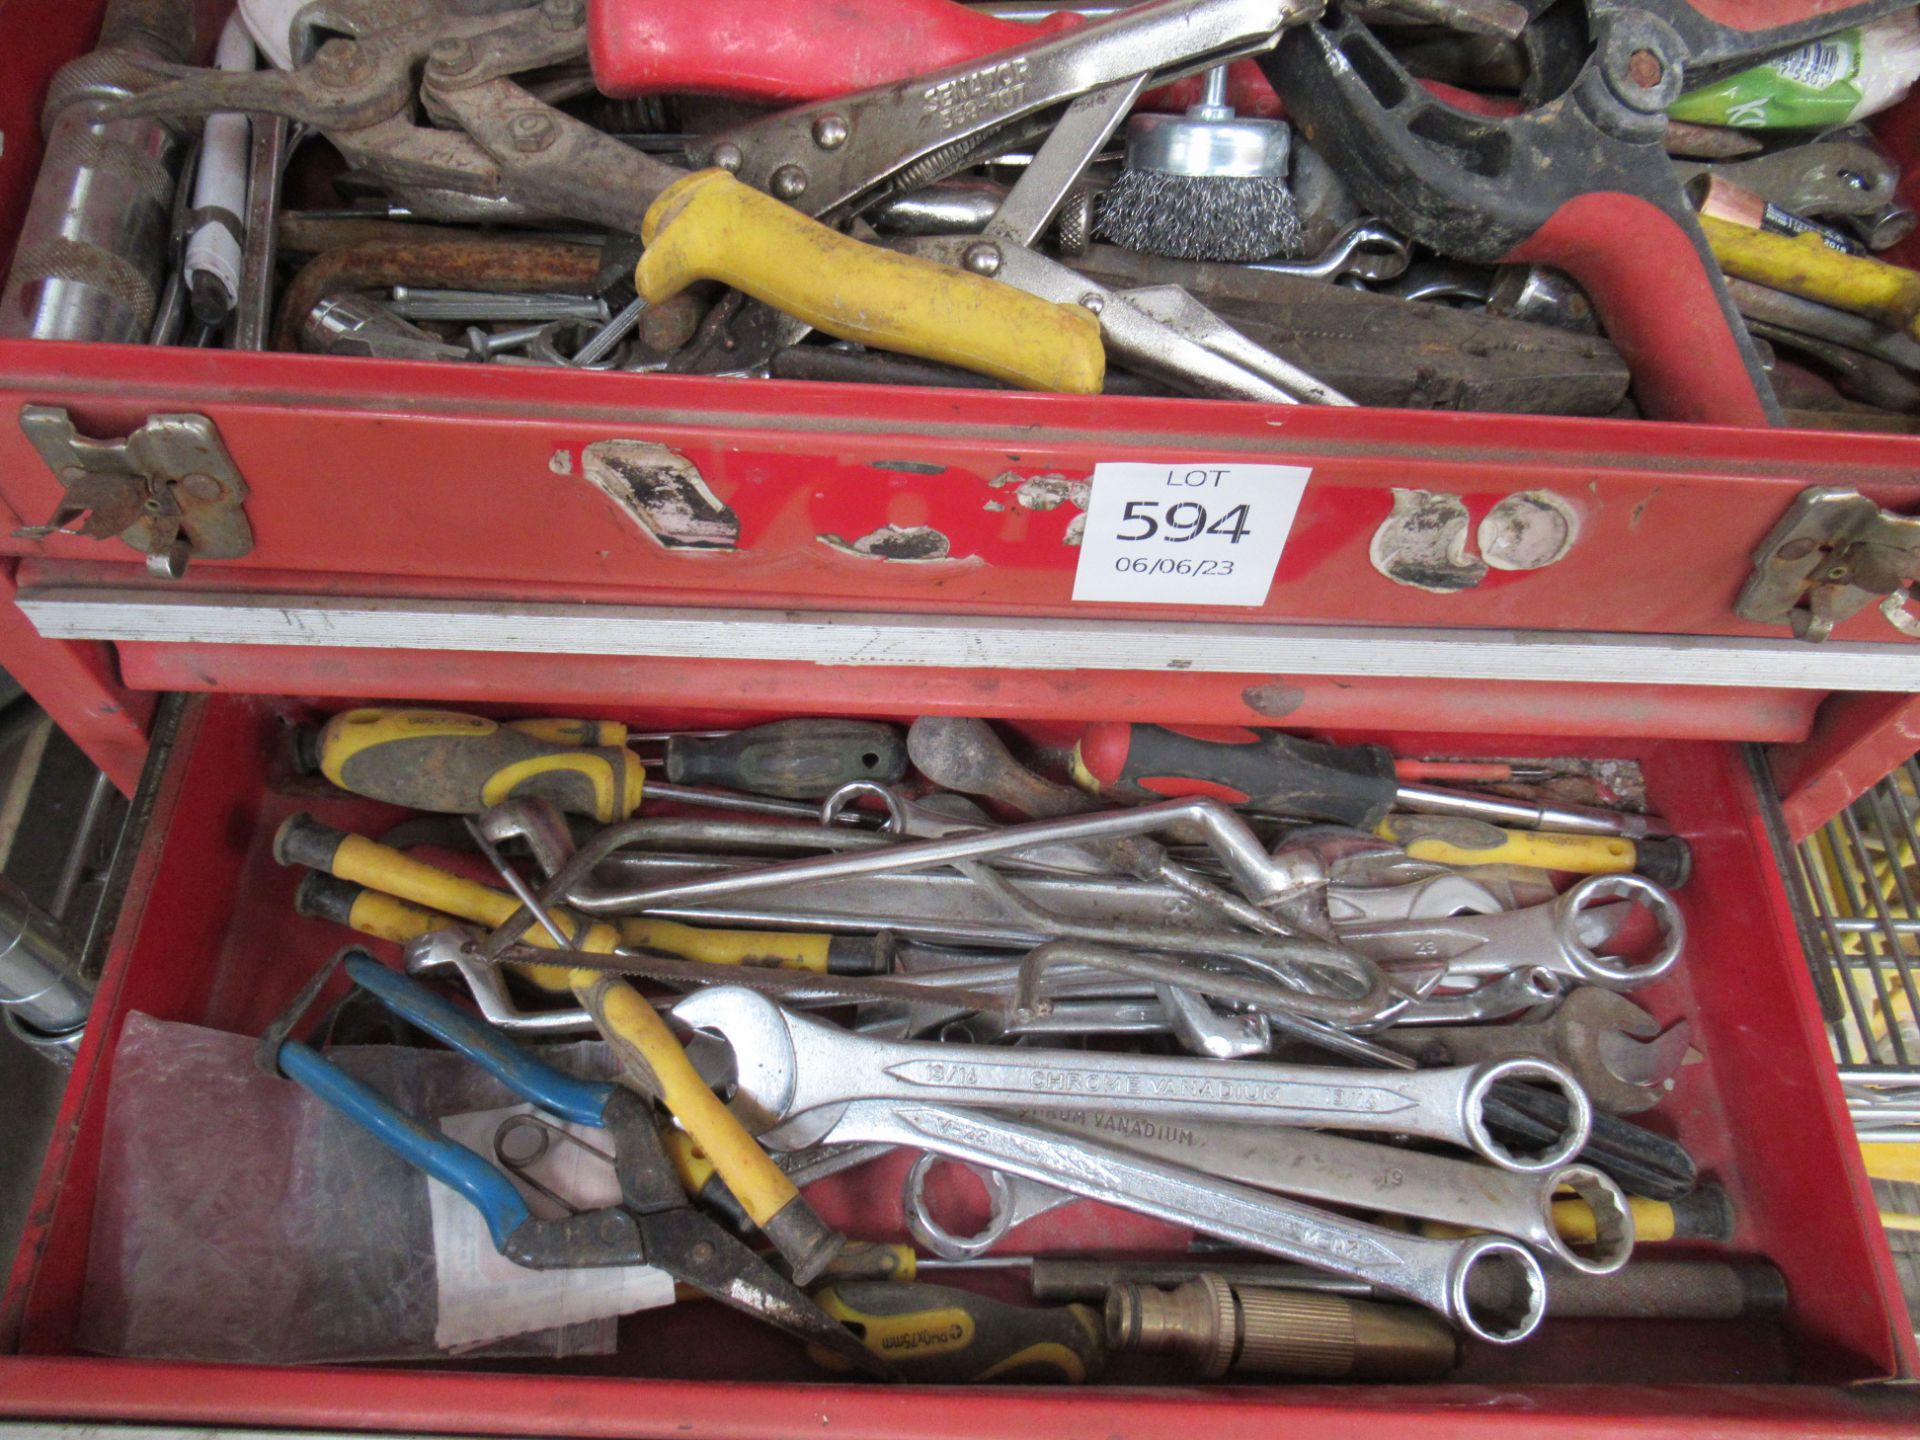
793,759
1346,784
710,226
462,764
934,1334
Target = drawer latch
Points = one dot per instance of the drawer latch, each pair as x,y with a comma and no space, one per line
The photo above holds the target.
170,490
1832,553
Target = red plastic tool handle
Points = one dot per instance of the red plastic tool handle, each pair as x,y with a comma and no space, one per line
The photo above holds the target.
786,52
1656,297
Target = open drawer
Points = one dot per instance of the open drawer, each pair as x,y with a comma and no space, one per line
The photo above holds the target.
393,507
208,936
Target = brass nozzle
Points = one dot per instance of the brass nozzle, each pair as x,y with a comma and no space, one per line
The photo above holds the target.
1220,1328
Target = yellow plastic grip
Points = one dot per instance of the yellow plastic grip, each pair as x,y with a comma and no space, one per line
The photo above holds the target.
385,918
1891,1160
380,867
455,763
352,731
1574,1222
559,731
1543,849
629,1023
416,883
1806,266
796,951
711,226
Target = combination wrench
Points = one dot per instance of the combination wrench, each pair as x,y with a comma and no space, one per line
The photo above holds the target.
1559,936
1439,1274
1316,1166
787,1065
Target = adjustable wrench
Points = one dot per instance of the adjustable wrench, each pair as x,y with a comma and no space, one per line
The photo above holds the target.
788,1065
1434,1273
1558,936
1316,1166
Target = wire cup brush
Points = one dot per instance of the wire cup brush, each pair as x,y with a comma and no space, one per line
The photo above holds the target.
1207,185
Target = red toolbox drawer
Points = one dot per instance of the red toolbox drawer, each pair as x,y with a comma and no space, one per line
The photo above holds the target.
208,936
443,490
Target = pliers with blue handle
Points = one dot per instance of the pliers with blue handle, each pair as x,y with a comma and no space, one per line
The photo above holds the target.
654,1223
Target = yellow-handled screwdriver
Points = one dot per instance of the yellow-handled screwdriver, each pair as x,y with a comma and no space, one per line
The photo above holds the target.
936,1334
455,763
1455,840
1706,1214
646,1048
385,917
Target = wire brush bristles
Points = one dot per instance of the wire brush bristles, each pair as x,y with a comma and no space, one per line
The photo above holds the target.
1200,217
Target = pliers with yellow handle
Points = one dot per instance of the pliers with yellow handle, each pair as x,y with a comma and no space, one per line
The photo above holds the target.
654,1223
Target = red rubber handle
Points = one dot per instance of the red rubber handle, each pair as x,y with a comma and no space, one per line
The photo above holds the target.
1654,293
787,52
790,51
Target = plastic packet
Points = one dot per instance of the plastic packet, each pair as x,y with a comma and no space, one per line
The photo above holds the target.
1853,73
240,1219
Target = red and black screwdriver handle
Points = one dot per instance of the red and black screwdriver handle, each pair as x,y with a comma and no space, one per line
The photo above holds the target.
1264,769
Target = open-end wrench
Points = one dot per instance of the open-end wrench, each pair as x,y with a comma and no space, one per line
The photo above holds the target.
1440,895
788,1065
1555,936
1613,1048
1316,1166
1439,1274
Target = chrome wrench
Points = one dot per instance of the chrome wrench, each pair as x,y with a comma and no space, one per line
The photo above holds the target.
1011,1200
789,1065
1315,1166
1550,936
1436,1273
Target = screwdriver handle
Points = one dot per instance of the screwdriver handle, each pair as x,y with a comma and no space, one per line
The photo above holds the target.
384,917
934,1334
459,764
1455,840
1264,769
792,759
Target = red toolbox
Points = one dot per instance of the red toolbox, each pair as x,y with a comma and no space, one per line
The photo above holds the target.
208,936
475,536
